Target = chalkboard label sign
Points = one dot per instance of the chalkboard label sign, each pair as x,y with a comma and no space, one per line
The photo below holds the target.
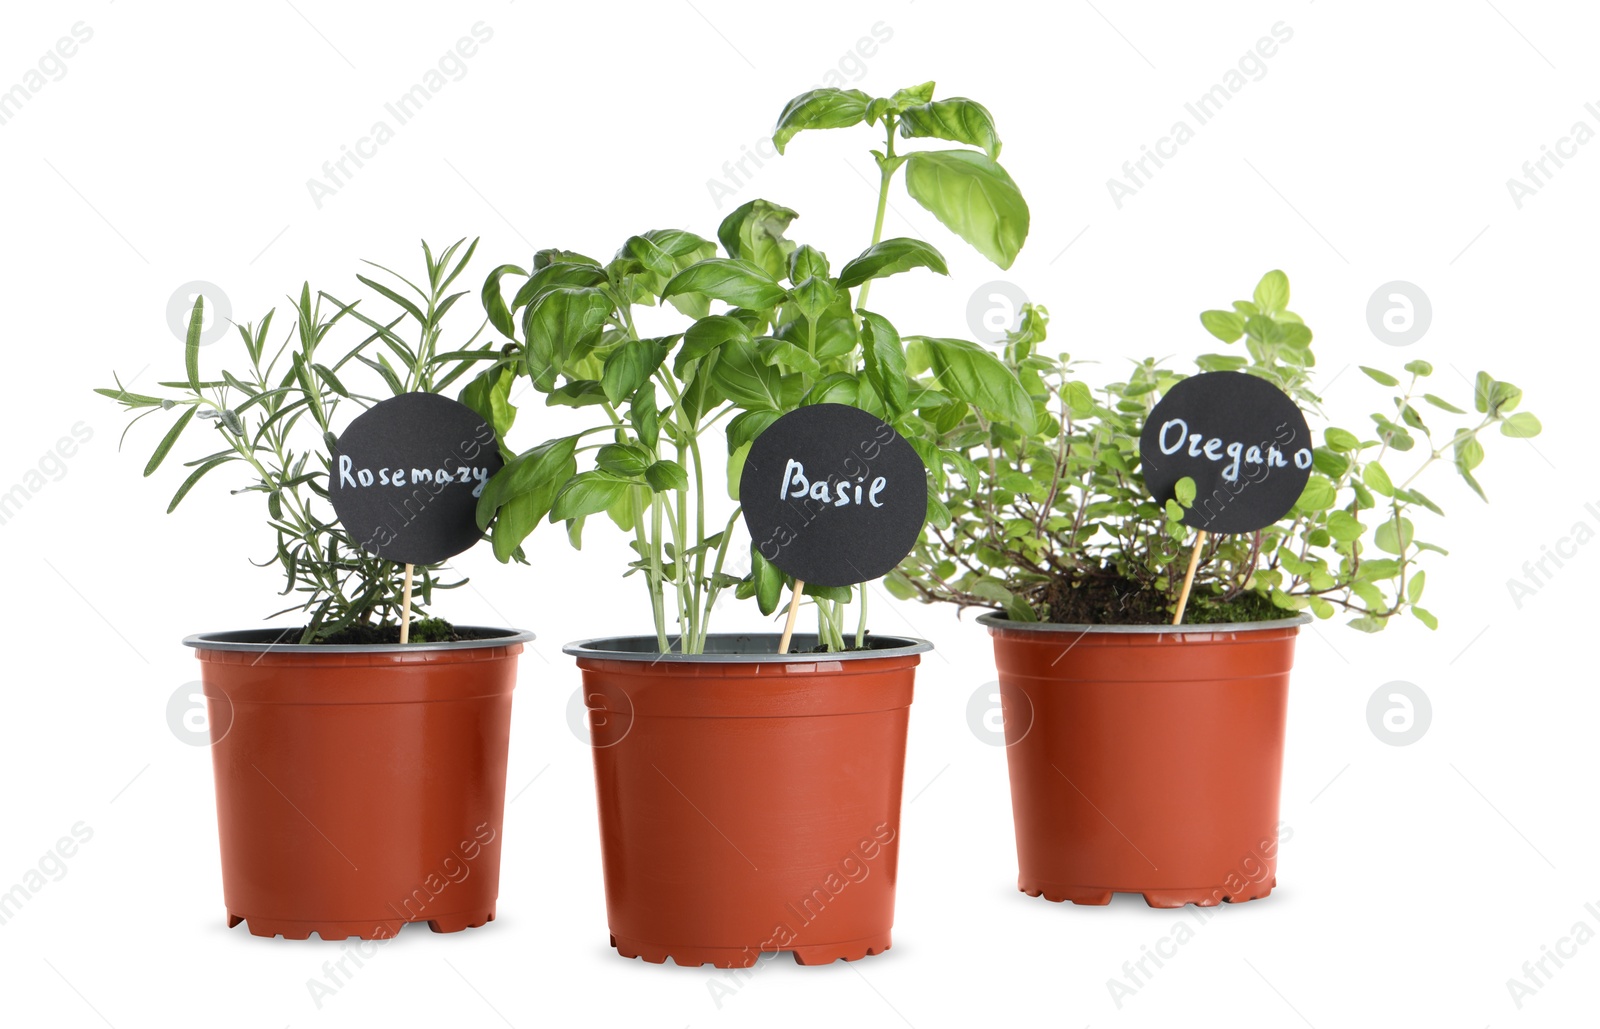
833,496
1241,439
407,475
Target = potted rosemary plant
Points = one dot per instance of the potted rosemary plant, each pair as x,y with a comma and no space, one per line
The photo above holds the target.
1146,756
360,780
798,756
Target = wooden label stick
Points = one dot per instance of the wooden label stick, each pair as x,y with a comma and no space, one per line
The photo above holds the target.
1188,578
405,611
794,609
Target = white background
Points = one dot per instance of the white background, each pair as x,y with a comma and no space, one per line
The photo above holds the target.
1377,147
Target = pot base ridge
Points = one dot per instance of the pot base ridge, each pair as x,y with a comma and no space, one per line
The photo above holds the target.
744,957
297,929
1096,896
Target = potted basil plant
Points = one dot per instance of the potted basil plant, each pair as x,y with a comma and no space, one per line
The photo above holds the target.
360,782
749,799
1145,756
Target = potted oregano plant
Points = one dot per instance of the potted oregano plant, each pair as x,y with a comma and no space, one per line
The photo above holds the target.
705,738
360,779
1146,756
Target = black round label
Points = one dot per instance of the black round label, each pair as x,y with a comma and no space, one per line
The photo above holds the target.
1241,439
833,495
407,475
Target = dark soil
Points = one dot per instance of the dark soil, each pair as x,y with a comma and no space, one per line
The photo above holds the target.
1111,600
424,630
849,639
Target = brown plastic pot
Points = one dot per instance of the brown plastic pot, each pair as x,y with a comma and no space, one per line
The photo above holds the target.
359,787
1145,759
749,801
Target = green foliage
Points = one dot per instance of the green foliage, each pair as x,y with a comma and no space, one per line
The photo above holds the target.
793,330
272,412
1046,520
967,190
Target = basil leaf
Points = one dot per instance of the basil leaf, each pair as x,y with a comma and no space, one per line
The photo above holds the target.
587,493
826,108
747,380
974,198
754,232
494,304
889,257
563,321
967,371
957,119
884,359
731,281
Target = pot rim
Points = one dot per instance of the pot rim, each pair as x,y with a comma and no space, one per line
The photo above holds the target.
996,620
249,641
762,649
